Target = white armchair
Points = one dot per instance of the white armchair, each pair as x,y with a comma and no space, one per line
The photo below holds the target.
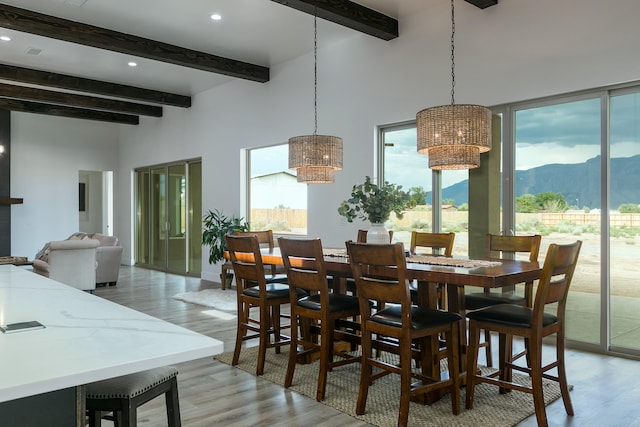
72,262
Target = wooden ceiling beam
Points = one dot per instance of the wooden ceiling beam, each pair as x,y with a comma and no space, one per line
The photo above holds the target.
482,4
349,14
80,84
75,32
90,102
62,111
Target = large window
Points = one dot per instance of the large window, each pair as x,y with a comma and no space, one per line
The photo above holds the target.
403,165
570,170
277,201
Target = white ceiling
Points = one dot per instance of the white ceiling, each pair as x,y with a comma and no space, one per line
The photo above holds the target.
260,32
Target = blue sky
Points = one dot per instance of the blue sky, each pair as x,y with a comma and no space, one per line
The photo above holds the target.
562,133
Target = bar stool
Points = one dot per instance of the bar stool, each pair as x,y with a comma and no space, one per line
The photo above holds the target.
125,394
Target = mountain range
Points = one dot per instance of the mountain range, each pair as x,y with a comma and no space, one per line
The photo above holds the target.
579,183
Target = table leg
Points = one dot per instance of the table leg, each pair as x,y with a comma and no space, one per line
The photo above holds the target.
456,305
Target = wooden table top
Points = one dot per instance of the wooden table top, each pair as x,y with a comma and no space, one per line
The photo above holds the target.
507,273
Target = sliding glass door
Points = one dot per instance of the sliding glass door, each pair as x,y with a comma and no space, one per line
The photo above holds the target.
557,189
624,221
168,217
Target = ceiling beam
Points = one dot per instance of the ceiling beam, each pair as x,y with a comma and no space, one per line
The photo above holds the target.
62,111
482,4
62,81
64,98
349,14
75,32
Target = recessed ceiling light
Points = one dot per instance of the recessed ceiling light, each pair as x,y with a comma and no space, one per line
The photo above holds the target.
132,64
216,17
5,38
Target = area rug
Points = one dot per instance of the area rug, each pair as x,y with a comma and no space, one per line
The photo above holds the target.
216,298
489,408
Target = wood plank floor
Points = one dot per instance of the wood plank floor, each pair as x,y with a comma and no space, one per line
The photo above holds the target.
606,389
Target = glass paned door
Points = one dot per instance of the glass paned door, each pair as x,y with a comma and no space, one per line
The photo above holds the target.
168,224
158,218
624,221
177,219
194,212
557,186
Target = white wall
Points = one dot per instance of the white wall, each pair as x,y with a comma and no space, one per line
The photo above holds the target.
47,154
516,50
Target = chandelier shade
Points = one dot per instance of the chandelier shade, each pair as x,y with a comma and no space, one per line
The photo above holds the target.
315,175
454,135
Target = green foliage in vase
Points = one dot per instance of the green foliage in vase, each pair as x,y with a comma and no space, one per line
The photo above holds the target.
375,203
215,226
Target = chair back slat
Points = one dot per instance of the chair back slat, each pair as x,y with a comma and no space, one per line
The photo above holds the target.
497,246
555,279
304,263
439,243
265,237
380,272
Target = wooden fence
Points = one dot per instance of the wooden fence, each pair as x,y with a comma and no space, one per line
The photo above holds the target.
297,218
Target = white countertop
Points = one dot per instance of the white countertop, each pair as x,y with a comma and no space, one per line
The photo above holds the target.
86,338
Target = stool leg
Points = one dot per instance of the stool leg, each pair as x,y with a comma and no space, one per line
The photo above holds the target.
94,418
173,405
129,415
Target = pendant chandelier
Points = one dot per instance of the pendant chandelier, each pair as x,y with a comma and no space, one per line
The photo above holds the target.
454,135
315,158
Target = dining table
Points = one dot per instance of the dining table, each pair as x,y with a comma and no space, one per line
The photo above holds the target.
455,273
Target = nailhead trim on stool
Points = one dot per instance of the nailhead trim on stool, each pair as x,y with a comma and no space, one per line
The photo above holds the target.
126,393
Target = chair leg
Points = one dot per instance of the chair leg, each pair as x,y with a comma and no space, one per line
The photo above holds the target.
472,362
240,332
504,362
275,323
173,404
265,314
326,356
487,339
293,351
453,345
536,384
365,373
562,373
405,383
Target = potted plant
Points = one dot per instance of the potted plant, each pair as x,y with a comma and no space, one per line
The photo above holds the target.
374,203
215,226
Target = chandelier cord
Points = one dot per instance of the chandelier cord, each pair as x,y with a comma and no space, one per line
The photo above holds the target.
315,67
453,63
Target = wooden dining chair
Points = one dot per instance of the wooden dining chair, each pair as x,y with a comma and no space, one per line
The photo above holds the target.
265,239
381,274
436,244
498,246
253,291
532,323
305,267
